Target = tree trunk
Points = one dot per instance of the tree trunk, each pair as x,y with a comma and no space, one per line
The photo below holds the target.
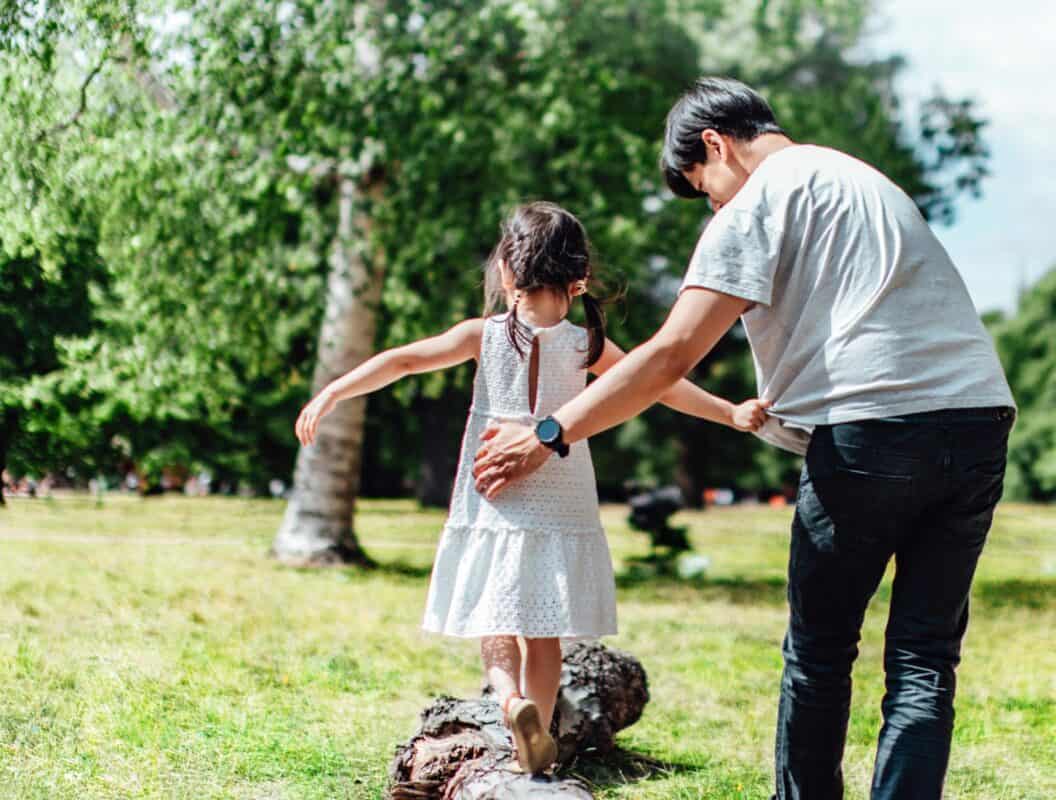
317,527
463,751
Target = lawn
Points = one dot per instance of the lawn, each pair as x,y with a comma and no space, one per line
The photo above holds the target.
149,648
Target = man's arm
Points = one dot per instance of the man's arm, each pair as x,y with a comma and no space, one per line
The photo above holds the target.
697,321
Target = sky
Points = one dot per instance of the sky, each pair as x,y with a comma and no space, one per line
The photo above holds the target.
1003,55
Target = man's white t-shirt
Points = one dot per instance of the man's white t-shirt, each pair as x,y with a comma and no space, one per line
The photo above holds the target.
858,313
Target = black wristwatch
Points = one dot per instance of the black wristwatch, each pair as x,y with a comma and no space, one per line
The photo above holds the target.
549,432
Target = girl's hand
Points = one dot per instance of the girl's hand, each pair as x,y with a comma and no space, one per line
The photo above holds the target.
750,415
308,421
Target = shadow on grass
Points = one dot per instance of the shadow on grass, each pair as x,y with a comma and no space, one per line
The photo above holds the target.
1015,593
987,595
739,591
398,509
354,572
401,569
1031,593
623,768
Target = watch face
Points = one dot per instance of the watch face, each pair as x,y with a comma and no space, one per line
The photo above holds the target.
548,431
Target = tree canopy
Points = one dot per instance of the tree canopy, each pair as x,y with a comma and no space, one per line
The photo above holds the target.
1026,343
171,173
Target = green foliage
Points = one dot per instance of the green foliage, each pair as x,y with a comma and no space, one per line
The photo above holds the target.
38,303
211,270
193,145
1027,345
799,52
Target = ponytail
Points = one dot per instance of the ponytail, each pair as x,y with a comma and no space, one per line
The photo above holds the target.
519,335
595,329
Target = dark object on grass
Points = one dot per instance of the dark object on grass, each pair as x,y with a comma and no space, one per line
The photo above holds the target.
650,511
462,750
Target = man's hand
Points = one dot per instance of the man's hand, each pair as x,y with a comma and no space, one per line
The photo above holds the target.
697,321
750,415
509,452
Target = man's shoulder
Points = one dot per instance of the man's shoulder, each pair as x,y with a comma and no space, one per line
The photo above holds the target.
798,163
824,175
779,180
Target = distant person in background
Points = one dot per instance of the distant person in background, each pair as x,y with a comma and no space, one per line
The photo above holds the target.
879,371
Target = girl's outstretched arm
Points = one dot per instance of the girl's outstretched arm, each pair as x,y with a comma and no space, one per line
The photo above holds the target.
690,399
460,343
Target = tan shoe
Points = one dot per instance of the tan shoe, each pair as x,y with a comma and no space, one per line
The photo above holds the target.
536,748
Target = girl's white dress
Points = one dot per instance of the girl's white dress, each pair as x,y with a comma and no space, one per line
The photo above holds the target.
534,561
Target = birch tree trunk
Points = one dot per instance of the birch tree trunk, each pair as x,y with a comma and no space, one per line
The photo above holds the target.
317,527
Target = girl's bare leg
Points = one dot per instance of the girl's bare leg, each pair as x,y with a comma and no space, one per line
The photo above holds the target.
502,665
542,675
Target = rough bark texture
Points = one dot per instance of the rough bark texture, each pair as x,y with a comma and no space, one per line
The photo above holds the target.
463,751
317,526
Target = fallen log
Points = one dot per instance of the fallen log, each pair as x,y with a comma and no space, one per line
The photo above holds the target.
463,751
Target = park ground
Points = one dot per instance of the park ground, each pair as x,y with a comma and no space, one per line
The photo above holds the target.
149,648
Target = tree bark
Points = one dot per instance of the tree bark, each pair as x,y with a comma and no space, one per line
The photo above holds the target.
463,751
317,527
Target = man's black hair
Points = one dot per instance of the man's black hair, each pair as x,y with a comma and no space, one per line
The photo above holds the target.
723,104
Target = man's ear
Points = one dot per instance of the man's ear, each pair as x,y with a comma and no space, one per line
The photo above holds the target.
714,144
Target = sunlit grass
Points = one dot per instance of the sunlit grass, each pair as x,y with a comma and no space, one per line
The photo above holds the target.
149,648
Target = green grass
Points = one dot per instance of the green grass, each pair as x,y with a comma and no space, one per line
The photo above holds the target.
148,648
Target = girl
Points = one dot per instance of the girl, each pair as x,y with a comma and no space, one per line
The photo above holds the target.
531,567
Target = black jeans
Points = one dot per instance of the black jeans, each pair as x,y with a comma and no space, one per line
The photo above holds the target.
921,488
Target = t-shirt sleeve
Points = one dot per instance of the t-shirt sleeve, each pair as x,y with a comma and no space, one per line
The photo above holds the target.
737,254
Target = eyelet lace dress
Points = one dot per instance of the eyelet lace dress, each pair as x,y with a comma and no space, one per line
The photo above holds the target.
534,561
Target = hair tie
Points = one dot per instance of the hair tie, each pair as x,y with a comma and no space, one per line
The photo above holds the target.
578,287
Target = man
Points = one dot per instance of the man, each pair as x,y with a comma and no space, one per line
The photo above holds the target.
879,371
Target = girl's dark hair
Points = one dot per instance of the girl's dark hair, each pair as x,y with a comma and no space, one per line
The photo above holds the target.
727,106
545,247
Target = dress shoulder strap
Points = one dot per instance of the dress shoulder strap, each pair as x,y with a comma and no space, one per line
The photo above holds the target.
501,384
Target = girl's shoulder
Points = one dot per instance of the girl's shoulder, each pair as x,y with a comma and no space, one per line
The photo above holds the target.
563,336
565,326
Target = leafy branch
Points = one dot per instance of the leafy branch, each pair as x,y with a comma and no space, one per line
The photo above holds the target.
75,118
